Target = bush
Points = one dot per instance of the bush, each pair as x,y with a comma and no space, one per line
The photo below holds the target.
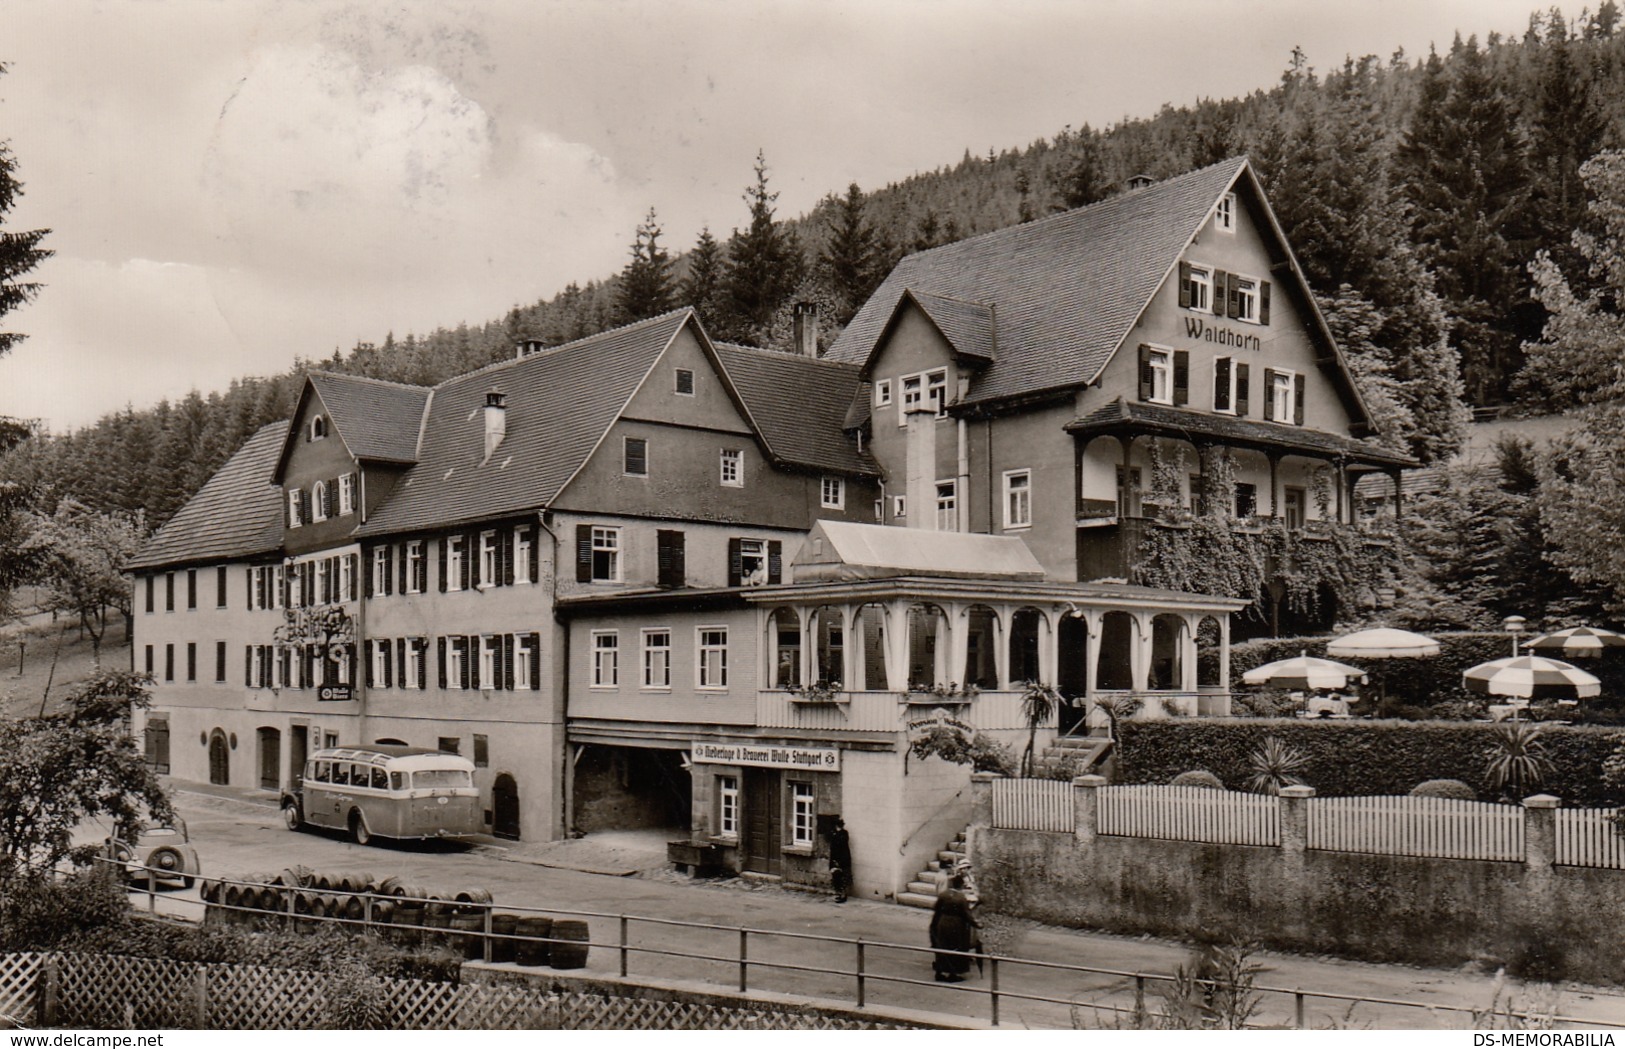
1444,788
981,752
1199,778
1269,703
38,912
1361,757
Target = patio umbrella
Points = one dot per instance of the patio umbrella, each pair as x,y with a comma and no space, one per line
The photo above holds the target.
1305,671
1531,677
1576,641
1382,643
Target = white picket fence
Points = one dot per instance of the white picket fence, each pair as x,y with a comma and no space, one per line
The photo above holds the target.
1444,828
1190,814
1034,804
1589,838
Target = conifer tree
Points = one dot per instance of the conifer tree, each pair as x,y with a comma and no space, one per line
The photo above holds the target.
702,285
855,257
20,251
764,264
646,283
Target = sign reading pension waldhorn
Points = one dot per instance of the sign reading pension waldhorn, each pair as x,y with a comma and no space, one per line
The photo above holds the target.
813,759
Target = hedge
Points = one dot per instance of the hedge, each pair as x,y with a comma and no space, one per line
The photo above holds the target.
1360,757
1427,681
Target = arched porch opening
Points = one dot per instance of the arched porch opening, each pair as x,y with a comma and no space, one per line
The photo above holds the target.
1114,666
1026,624
871,633
981,647
1167,653
927,647
1209,650
784,637
828,647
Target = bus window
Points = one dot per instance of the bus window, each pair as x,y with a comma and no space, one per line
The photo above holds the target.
397,781
359,774
380,779
341,774
319,771
441,778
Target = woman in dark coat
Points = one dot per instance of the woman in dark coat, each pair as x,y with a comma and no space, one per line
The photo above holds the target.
953,928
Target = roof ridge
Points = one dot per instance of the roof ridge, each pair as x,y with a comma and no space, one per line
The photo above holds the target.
765,352
948,298
324,373
572,345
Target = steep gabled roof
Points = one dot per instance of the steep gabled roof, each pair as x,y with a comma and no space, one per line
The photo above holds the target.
377,421
560,404
968,327
1066,289
237,514
798,406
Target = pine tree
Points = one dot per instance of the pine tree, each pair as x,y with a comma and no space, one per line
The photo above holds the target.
702,285
764,264
1085,179
646,283
855,258
20,251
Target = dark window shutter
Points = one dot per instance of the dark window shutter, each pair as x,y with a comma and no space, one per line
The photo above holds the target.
400,660
367,670
389,664
219,587
355,570
536,662
442,544
440,649
401,550
535,556
248,588
1221,295
248,665
471,670
286,584
1263,302
374,555
1185,284
1146,384
1269,394
151,589
1232,297
1182,376
1297,400
583,553
332,497
474,561
505,556
736,567
775,561
669,546
1221,384
1243,387
507,662
423,661
191,588
220,661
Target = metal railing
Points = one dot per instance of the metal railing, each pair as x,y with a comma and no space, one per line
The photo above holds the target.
745,960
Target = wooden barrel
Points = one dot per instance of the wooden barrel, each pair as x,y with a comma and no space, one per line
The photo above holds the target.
413,892
270,899
356,882
502,930
207,890
531,947
408,916
436,924
383,910
353,908
472,899
294,877
232,896
436,904
390,886
467,938
569,944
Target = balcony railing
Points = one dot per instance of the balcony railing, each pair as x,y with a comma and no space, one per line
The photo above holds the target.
885,711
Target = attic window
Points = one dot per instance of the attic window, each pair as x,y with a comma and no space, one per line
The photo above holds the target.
685,382
1224,215
318,428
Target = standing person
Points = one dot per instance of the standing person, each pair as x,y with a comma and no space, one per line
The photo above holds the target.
840,860
953,928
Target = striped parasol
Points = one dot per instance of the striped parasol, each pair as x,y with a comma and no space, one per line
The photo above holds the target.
1531,677
1584,641
1382,643
1303,671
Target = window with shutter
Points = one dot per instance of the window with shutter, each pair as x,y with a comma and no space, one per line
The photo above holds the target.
1157,375
636,457
440,659
1182,376
775,561
735,565
583,553
1297,400
1223,389
669,557
1221,293
1243,388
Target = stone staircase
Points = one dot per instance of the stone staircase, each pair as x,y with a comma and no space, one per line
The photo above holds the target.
1082,754
922,891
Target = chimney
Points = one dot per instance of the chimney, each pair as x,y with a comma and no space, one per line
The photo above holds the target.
528,346
920,468
496,421
806,328
1140,181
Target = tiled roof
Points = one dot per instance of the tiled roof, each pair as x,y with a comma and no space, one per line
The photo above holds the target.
1125,416
560,403
378,420
238,513
1065,289
968,326
799,406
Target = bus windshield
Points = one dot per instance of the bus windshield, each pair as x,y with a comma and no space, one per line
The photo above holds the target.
441,778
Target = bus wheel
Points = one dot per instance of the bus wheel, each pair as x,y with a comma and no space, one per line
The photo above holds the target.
290,816
358,829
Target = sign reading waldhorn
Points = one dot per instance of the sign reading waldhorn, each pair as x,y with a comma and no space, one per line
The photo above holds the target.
812,759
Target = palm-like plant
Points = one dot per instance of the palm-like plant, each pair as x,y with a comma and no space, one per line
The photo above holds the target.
1517,763
1038,705
1275,764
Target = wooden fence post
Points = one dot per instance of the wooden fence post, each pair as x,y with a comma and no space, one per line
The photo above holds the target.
1294,803
1086,807
1540,833
50,998
200,996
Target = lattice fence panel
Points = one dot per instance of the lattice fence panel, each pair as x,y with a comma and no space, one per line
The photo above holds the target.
20,976
122,992
255,998
487,1007
591,1012
417,1005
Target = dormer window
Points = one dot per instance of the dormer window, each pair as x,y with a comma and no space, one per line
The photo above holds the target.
318,428
1224,214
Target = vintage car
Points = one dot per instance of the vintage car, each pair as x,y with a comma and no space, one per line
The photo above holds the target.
164,850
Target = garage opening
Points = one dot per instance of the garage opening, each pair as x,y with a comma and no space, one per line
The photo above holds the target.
631,789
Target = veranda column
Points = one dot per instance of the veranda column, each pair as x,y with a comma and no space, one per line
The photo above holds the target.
851,651
897,629
1187,661
1224,660
1140,660
1048,663
1091,670
959,649
1001,647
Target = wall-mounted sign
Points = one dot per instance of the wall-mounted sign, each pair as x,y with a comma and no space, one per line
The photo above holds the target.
810,759
328,692
1198,330
940,718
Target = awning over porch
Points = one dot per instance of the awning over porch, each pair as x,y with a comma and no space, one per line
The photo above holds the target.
1122,417
839,551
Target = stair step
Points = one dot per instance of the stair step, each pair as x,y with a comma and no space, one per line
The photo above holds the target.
949,856
924,888
915,899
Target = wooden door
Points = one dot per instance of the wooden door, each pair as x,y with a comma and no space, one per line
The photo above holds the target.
219,759
270,759
505,807
298,749
762,830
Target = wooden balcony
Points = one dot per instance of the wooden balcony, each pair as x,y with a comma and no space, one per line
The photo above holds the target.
885,711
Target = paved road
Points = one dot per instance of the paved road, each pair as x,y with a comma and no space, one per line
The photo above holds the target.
236,837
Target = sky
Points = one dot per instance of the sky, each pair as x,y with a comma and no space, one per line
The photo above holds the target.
233,185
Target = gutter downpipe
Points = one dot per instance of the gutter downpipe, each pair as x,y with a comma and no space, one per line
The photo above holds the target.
567,765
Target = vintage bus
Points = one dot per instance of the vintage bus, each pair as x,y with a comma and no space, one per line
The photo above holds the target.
381,790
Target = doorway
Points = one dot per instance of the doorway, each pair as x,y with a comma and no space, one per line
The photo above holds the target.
505,807
219,759
270,759
298,747
1072,672
762,830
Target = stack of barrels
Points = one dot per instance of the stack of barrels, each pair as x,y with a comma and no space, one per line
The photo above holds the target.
416,917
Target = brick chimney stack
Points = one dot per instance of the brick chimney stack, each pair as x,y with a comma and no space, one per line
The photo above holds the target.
496,420
806,328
